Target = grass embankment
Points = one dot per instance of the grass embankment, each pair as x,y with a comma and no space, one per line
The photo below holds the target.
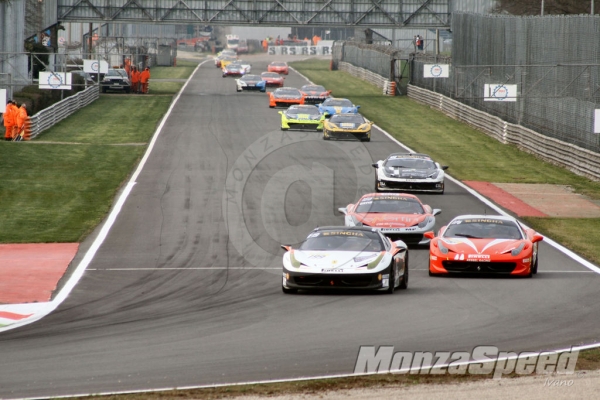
470,154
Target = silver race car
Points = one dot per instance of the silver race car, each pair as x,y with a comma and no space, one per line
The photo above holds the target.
338,257
409,172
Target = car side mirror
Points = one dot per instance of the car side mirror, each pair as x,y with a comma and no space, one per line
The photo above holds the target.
357,106
280,112
429,235
375,165
537,238
286,247
400,245
445,167
436,211
343,210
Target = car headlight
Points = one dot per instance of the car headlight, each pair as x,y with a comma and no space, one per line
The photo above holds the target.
434,175
443,249
424,223
515,252
389,172
360,259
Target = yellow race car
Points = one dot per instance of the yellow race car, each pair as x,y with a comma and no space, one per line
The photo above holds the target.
347,126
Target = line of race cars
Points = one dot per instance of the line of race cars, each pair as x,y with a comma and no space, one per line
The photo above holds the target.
371,250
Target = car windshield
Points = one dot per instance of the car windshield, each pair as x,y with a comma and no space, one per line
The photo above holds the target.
270,75
313,88
338,103
311,110
389,204
278,64
116,72
347,118
416,163
483,228
251,78
287,92
356,241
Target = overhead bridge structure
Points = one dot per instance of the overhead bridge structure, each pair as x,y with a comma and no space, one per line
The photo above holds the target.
289,13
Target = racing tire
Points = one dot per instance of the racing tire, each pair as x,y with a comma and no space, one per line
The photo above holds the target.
288,290
534,268
392,279
365,140
404,282
104,90
271,106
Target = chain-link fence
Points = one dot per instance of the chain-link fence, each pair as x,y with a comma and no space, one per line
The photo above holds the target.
551,61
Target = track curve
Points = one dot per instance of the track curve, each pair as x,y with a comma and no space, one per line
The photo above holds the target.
170,301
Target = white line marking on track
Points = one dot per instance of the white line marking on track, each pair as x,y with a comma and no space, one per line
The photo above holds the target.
89,255
177,269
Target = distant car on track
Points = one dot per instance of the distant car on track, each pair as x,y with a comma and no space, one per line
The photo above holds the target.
347,126
280,67
250,83
399,216
314,94
233,70
244,64
285,97
302,116
337,257
409,172
334,105
273,79
484,244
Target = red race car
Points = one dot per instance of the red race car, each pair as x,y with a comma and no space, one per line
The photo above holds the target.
272,79
280,67
398,216
285,97
315,94
484,244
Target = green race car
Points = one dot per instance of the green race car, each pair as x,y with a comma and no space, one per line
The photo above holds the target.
302,117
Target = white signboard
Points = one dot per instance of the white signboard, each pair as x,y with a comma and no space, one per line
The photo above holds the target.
499,92
2,100
55,80
91,66
596,120
436,71
300,50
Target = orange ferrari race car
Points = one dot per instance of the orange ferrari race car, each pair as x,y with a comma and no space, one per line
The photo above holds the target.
272,79
280,67
484,244
315,94
398,216
285,97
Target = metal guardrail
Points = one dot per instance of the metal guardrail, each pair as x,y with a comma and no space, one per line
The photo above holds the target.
368,76
50,116
576,159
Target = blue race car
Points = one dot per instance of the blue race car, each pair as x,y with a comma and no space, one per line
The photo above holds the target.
250,82
334,105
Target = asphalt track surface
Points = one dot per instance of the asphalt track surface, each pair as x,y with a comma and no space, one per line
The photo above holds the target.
186,288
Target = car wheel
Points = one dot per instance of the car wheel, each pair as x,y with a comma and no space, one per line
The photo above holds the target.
365,140
404,281
535,265
103,90
288,290
392,280
271,106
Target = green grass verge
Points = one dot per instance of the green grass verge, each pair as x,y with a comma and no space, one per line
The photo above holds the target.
470,154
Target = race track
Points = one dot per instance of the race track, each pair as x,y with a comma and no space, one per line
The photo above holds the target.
186,288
